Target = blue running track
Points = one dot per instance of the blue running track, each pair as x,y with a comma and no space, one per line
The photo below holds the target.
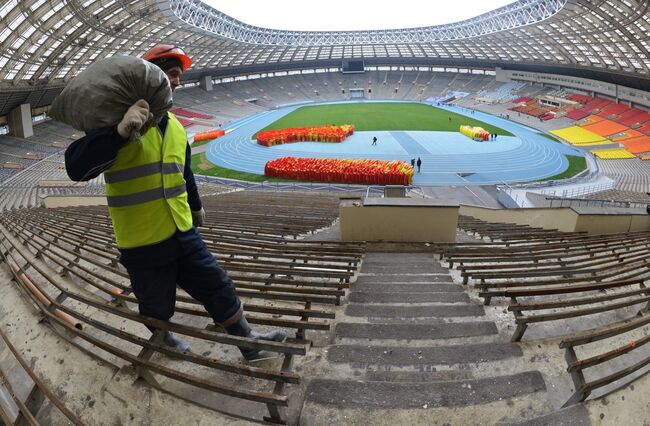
448,158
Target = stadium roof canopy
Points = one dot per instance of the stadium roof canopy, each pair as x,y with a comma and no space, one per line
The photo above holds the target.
45,43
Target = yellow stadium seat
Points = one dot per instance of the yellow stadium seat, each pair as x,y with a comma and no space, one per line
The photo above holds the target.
577,135
612,154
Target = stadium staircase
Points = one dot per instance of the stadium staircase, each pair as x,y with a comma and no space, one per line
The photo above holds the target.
411,346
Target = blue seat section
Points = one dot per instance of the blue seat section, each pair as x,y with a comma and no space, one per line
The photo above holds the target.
445,156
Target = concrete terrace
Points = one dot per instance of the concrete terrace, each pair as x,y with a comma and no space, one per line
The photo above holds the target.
407,343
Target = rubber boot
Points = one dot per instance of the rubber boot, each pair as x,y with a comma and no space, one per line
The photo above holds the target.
243,329
175,343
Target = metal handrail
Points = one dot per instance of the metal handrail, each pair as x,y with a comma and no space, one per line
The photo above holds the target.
588,202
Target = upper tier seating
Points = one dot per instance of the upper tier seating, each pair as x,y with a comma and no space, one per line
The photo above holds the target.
191,114
645,128
184,122
589,108
639,118
503,93
606,128
614,109
583,99
632,116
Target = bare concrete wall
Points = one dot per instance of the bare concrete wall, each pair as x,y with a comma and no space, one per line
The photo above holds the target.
397,223
603,224
609,224
640,223
71,201
563,219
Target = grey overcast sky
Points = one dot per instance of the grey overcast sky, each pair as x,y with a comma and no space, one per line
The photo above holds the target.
336,15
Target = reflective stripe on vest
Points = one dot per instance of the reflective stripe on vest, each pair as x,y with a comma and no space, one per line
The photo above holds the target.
143,170
145,188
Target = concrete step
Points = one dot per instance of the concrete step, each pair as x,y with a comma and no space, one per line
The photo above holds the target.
404,278
576,415
392,297
405,395
402,311
415,331
409,288
417,376
398,258
439,355
419,268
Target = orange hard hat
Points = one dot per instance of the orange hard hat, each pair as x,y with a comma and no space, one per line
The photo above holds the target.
160,51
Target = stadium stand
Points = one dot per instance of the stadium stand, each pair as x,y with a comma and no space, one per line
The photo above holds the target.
410,344
645,128
583,99
627,134
591,107
184,122
578,114
589,120
619,195
632,117
630,175
505,93
535,109
613,110
578,136
605,128
637,145
551,276
636,120
612,154
293,288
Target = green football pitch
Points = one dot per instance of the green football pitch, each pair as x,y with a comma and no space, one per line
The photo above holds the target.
379,116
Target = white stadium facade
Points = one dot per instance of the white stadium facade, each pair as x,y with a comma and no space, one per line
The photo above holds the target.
461,303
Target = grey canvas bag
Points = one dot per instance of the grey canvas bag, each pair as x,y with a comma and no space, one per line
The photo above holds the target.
101,94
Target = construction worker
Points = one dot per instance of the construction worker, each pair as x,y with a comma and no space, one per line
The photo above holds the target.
154,202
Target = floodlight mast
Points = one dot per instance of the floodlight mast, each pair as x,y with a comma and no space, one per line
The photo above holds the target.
515,15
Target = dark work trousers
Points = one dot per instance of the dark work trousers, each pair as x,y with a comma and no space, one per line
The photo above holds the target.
185,260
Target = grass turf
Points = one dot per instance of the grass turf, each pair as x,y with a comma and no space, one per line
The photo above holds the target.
576,165
551,137
380,116
202,166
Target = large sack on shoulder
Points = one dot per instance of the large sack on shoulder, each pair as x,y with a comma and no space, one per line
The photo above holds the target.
101,94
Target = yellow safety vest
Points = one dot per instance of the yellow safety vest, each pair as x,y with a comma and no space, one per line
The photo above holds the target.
145,188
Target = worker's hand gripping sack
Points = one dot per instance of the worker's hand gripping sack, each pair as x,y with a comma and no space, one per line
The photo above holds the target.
102,95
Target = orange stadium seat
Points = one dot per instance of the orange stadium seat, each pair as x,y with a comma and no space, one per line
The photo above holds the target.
592,119
628,134
637,145
606,128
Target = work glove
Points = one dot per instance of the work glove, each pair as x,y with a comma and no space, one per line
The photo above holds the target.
134,119
198,217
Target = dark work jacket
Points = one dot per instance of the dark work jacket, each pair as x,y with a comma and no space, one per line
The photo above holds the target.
90,156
